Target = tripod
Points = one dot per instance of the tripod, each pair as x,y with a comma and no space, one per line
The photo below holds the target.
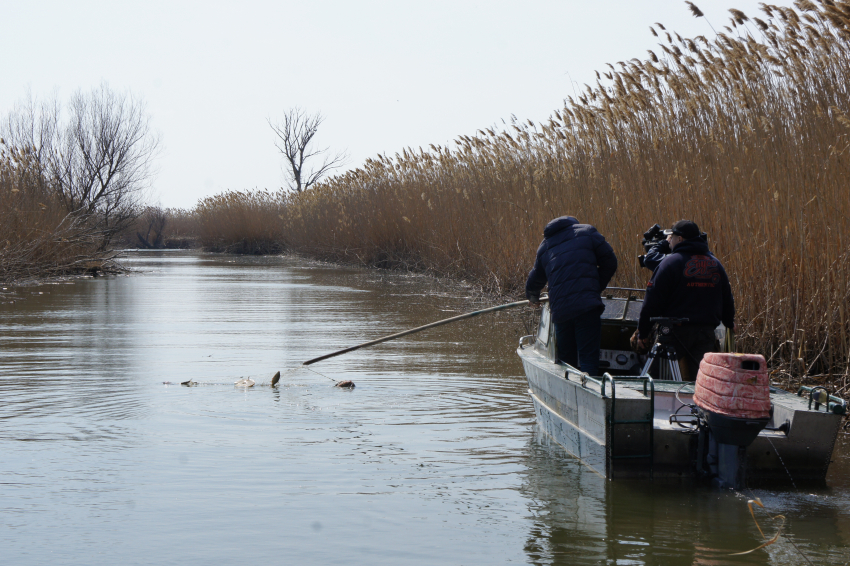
664,350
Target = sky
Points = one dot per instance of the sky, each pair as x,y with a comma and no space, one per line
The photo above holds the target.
385,74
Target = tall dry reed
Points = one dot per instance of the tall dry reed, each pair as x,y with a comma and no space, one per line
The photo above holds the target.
247,222
745,133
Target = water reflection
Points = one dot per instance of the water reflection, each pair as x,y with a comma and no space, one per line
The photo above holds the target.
580,518
433,458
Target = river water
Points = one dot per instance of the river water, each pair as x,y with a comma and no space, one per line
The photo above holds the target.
434,457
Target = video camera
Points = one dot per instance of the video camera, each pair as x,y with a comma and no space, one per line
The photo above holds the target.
655,235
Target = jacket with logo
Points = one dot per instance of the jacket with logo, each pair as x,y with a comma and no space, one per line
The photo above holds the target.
689,283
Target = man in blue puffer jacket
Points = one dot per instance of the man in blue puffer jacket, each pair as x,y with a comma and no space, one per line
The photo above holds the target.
577,263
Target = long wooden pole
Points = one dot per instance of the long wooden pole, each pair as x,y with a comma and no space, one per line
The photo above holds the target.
420,329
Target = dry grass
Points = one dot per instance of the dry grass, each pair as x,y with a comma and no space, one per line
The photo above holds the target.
241,222
38,237
747,134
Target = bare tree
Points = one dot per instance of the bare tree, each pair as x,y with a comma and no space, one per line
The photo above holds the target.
98,160
295,141
152,221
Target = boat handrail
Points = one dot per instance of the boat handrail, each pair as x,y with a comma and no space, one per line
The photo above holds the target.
599,382
644,379
524,338
833,404
624,289
606,377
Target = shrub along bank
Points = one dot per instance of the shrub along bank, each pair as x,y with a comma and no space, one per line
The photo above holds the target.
38,236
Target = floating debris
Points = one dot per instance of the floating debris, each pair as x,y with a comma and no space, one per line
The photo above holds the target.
241,382
758,502
346,384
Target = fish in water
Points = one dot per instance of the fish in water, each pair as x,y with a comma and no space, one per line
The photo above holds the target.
245,382
275,379
189,383
346,384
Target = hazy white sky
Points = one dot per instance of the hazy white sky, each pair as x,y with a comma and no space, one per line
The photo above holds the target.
386,74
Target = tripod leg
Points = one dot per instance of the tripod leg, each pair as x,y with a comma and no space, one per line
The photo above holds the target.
649,359
673,368
668,366
666,372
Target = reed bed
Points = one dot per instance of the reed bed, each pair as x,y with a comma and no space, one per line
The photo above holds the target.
38,237
245,222
745,133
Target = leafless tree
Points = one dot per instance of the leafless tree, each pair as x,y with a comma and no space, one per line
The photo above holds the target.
152,222
98,159
295,136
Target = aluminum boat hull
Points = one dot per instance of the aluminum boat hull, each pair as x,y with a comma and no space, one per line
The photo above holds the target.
620,426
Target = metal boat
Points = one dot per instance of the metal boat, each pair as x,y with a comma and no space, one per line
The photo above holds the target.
624,425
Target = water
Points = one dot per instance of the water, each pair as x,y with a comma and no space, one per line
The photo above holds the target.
434,457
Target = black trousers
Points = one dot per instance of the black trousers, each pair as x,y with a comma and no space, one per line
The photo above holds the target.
578,341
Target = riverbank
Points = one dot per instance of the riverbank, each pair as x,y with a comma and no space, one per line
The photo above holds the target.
40,236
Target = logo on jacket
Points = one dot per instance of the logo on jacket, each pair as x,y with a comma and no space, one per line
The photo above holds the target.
703,267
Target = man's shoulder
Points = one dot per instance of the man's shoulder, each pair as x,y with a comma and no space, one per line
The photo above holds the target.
671,261
588,234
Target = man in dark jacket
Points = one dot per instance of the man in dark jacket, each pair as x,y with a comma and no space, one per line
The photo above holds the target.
689,283
577,263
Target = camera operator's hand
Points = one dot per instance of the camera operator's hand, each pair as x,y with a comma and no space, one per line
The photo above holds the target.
655,255
662,247
640,346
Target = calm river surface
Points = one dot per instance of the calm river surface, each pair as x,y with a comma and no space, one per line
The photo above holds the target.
434,458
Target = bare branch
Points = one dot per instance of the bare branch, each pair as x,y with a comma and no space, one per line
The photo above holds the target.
98,161
295,135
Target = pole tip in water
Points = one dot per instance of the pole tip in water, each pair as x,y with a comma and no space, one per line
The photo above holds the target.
346,384
275,379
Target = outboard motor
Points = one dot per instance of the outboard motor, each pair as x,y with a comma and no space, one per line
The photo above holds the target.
733,396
